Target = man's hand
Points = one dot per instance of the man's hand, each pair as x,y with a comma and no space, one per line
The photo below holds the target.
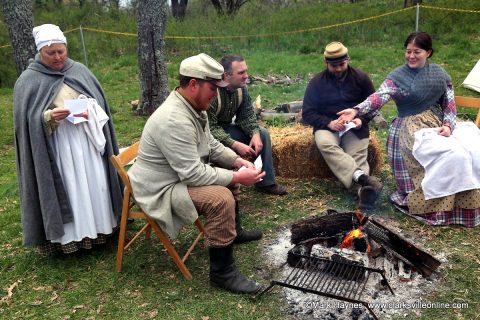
256,143
243,150
240,162
59,114
247,177
445,131
336,125
357,122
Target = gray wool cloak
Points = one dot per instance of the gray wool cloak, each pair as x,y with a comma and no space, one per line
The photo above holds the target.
44,203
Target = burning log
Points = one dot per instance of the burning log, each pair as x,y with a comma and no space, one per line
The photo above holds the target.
323,227
401,247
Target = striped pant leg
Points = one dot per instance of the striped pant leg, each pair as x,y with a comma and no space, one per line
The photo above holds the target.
217,205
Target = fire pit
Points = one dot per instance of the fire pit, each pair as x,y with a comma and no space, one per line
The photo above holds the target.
351,258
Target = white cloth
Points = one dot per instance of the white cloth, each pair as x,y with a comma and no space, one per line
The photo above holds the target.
78,150
46,34
452,164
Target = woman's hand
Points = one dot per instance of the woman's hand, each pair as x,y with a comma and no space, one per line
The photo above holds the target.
445,131
347,115
82,114
59,114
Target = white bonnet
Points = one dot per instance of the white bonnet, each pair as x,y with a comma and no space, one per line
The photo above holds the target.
46,34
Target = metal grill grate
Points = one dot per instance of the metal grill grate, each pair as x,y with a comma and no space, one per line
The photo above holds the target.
333,279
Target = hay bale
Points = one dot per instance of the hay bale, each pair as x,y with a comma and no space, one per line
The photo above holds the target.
295,154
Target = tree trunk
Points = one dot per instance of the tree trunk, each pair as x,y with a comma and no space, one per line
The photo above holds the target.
151,24
179,8
229,7
19,20
218,6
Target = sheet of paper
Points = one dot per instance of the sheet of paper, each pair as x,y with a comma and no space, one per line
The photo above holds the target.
258,163
76,106
348,126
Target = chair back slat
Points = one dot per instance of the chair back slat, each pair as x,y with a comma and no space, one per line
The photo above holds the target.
469,102
123,159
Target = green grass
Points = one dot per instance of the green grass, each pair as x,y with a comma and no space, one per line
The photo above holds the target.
85,286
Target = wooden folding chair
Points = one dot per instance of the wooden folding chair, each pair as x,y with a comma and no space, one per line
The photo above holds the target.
469,102
133,211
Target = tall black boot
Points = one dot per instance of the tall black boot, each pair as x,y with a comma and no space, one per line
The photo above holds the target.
224,273
244,236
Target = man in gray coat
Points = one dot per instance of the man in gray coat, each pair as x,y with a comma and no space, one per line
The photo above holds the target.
182,171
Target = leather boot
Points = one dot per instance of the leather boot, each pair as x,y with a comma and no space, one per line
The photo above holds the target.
224,273
244,236
369,192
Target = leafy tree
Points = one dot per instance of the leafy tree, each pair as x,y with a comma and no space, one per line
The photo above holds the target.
18,17
151,24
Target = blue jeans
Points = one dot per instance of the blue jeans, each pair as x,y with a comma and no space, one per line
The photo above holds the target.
239,135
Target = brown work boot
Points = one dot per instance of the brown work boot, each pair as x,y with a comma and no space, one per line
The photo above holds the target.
371,181
367,197
369,192
275,189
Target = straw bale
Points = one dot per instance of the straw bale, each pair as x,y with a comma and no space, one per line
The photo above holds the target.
295,154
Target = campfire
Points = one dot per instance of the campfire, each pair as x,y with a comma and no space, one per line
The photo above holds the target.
356,239
336,256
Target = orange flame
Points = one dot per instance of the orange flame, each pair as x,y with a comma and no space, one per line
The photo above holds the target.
360,216
347,241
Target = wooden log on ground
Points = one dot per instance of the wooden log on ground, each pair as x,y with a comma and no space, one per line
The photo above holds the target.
325,226
410,253
265,115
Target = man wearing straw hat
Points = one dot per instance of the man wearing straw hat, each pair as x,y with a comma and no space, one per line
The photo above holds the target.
343,146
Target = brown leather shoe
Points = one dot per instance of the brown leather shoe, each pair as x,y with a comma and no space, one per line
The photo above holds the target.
275,189
375,183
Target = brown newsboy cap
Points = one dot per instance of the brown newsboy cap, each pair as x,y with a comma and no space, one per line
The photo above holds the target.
204,67
335,52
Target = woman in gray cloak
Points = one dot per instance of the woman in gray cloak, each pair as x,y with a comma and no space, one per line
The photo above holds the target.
70,193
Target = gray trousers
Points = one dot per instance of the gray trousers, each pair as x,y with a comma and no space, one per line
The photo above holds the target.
239,135
343,155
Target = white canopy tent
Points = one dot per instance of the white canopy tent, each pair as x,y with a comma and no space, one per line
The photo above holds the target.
472,81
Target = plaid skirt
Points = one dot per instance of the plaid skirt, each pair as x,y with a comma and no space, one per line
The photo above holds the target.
461,209
49,248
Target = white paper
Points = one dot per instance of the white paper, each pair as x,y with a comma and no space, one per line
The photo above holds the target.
348,126
76,106
258,163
